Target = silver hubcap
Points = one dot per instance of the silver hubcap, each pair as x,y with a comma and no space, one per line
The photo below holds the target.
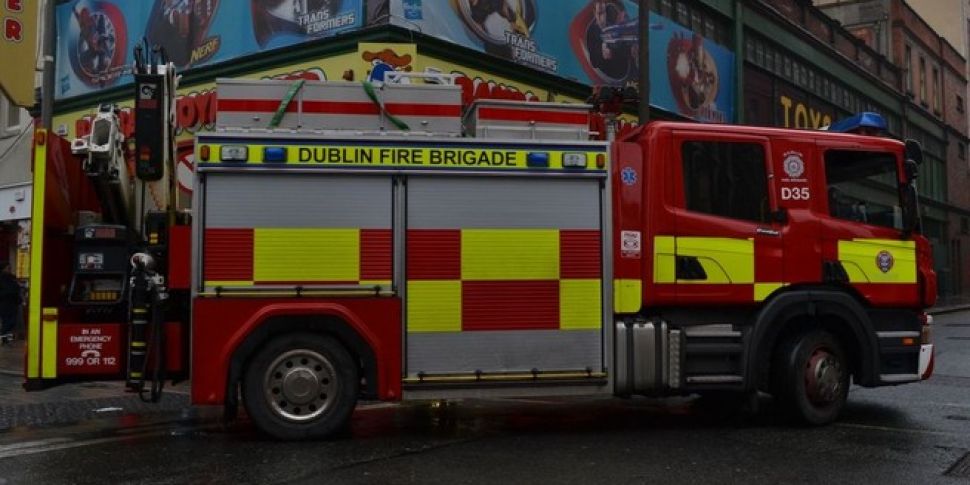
823,377
300,385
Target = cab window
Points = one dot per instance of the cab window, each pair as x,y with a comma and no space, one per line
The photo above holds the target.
726,179
863,187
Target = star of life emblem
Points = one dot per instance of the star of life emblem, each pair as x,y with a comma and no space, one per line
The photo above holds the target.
629,176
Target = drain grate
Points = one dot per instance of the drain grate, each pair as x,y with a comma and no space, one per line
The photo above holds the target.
958,338
956,324
961,468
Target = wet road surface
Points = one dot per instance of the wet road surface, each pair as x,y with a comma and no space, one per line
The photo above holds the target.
908,434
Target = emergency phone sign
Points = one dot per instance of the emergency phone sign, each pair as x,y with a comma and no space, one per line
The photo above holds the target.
89,349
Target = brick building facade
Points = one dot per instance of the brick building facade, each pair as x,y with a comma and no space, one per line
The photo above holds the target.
934,85
951,19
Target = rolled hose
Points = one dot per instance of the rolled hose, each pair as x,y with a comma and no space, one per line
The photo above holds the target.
372,94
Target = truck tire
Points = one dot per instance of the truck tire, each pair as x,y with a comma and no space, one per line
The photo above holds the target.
301,386
811,377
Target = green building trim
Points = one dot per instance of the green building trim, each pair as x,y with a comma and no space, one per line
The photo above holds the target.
827,60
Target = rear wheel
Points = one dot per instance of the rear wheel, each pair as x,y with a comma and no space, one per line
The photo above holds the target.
812,377
301,386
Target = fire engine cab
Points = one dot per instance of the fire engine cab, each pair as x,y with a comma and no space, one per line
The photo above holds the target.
352,241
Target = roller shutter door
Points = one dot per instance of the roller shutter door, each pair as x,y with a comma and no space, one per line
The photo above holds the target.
503,275
296,229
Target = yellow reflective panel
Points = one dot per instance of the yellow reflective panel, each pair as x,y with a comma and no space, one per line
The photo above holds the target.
579,304
879,260
510,254
414,156
664,260
854,272
229,284
716,274
627,295
763,290
434,306
385,283
49,351
306,255
36,256
725,260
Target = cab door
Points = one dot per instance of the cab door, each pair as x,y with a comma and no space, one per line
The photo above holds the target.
725,247
801,193
863,242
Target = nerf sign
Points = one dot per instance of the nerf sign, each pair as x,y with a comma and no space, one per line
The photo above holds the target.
541,157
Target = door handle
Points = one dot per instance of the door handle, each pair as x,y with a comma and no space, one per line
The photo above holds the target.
764,231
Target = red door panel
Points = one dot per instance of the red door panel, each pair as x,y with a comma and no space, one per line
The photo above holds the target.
724,244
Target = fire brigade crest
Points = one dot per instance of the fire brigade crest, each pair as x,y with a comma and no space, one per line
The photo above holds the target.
885,261
794,165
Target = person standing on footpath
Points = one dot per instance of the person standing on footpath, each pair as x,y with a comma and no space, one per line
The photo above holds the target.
9,303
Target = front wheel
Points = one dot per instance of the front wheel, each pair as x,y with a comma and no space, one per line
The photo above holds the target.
812,377
301,386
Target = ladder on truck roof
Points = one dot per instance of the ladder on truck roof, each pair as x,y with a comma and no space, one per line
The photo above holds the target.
408,104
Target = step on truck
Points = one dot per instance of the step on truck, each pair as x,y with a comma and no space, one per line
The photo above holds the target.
355,241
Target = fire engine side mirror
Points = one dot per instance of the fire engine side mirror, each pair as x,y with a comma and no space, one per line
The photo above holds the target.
912,170
910,201
914,152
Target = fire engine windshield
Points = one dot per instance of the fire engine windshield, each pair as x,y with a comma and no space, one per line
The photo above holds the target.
863,187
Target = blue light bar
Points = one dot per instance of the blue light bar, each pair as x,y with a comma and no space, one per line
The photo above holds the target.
274,154
537,160
873,121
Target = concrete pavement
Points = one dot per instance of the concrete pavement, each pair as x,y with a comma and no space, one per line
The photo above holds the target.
950,305
70,403
909,434
12,358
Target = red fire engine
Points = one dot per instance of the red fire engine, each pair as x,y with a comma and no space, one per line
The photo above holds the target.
353,241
